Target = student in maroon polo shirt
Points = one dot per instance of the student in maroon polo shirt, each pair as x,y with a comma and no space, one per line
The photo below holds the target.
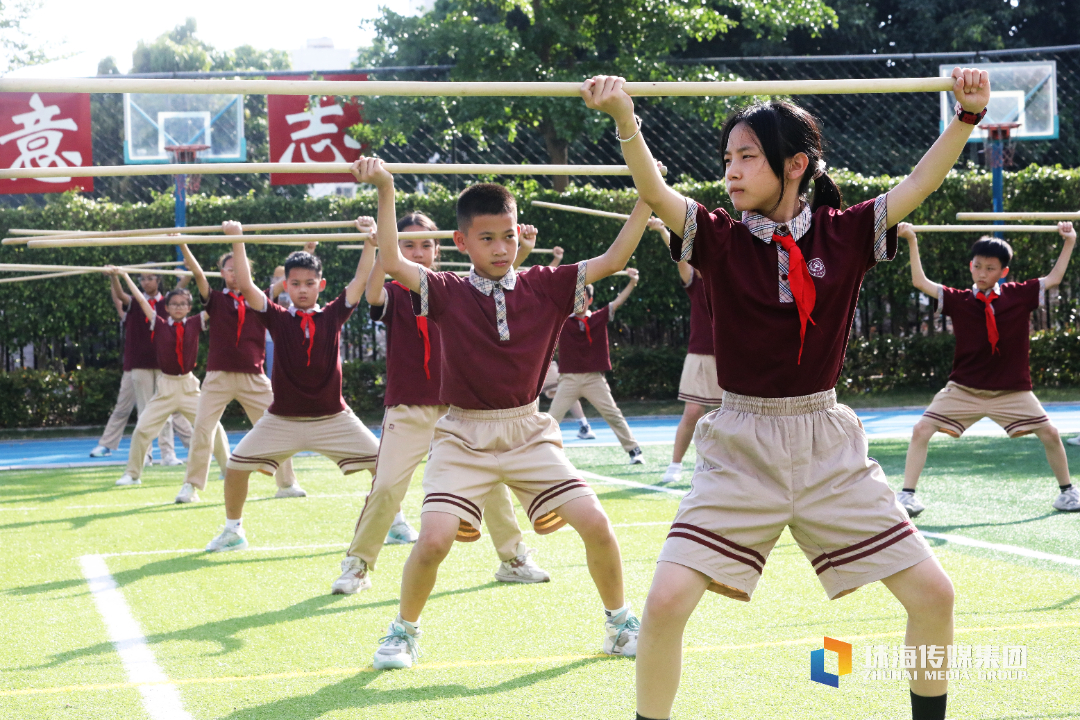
413,379
780,452
498,329
308,412
176,345
991,375
584,357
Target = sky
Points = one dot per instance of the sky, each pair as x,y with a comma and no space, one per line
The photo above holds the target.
114,27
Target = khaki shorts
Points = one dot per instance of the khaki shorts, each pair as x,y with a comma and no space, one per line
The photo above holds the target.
801,463
275,439
956,408
698,382
551,380
475,450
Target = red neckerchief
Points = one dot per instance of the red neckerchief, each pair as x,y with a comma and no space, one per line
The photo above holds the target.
240,310
422,328
991,321
307,324
801,284
179,325
585,324
153,306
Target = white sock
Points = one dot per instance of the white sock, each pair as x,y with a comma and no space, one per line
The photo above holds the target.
400,517
411,628
583,421
615,613
675,466
233,525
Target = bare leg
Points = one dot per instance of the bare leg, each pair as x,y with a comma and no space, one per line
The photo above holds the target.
676,590
1055,453
437,533
927,594
588,518
685,432
236,491
916,452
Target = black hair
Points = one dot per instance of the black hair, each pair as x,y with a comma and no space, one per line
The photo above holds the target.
993,247
590,291
226,257
483,199
177,291
416,218
783,130
304,260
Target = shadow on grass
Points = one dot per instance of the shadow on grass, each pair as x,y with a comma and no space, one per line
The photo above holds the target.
1004,523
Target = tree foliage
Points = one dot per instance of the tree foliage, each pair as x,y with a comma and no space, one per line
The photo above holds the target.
17,47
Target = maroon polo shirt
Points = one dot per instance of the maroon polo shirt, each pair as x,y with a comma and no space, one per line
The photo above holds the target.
303,388
759,334
583,343
139,353
227,353
165,331
480,371
974,365
409,379
701,341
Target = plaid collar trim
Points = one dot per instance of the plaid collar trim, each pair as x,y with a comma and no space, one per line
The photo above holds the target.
486,286
763,228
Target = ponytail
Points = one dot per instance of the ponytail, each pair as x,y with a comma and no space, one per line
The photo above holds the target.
826,193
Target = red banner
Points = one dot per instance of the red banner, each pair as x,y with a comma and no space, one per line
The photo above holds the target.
39,130
300,135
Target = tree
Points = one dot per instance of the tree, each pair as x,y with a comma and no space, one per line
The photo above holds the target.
16,46
550,40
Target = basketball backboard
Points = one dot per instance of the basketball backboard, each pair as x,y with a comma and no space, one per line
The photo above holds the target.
153,122
1020,92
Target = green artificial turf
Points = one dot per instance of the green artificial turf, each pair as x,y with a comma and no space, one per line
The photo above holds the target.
256,635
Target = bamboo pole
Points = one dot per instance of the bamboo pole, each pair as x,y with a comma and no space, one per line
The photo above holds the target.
335,168
448,248
273,239
471,89
46,276
1018,216
194,229
19,267
986,228
582,210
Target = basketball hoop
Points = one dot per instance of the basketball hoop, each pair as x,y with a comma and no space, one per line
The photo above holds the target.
187,155
998,146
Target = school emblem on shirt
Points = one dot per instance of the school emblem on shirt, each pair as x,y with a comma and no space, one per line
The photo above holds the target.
816,268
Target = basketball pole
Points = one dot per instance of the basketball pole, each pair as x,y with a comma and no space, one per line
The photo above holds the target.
996,135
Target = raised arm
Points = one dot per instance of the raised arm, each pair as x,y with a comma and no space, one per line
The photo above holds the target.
686,273
196,269
1069,236
918,277
120,298
138,297
605,93
622,296
406,272
619,253
557,254
374,291
526,243
356,287
242,268
972,89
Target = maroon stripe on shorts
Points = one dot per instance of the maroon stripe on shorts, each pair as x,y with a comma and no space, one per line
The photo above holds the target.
864,543
1026,421
715,548
253,460
450,500
717,538
471,505
557,489
832,562
946,420
564,488
363,459
700,400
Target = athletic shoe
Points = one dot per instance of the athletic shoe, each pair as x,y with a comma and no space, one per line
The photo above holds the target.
126,479
621,633
1074,440
354,577
228,540
672,474
637,457
584,432
397,649
401,533
221,475
293,490
187,494
907,499
522,568
100,451
1068,501
172,462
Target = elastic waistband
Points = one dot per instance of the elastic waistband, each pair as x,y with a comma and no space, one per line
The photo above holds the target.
185,376
490,415
799,405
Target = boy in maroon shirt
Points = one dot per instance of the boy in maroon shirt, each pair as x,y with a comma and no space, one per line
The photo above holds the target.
584,357
991,374
499,329
308,412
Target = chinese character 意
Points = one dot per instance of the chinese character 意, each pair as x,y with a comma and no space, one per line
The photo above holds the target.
316,127
40,139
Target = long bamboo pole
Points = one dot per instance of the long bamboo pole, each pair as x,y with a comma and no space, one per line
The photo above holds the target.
194,229
19,267
46,276
582,210
338,168
272,239
986,228
1018,216
471,89
448,248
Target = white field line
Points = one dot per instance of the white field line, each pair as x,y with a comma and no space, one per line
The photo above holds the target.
160,697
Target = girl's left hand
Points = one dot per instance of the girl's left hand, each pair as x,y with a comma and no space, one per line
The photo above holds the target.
972,88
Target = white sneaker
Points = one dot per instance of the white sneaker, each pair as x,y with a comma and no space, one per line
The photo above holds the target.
621,633
637,457
126,479
1068,501
522,568
1074,440
673,474
293,490
585,432
354,577
228,540
910,503
172,462
397,649
100,451
401,533
187,494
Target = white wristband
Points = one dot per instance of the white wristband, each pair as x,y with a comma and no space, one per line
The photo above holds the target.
622,140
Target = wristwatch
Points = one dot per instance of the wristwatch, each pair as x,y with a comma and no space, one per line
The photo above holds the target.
969,117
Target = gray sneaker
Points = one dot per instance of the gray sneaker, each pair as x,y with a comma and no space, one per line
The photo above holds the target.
100,451
227,541
1068,501
910,503
354,577
188,494
521,569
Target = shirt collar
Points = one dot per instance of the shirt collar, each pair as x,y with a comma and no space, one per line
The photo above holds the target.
486,286
172,322
155,298
763,228
293,309
996,290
